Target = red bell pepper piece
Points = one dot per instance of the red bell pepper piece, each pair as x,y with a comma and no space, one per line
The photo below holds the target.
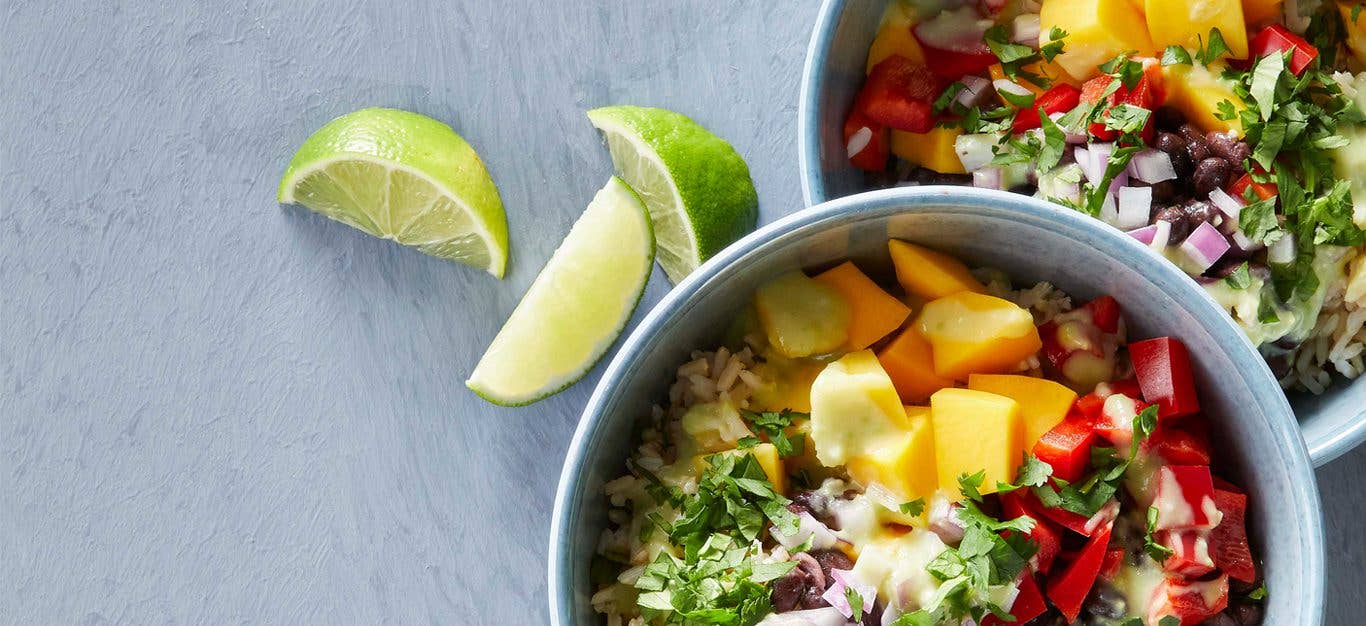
1228,542
1143,95
900,94
1105,313
1276,39
952,65
873,156
1114,559
1029,604
1127,386
1185,498
1192,602
1163,368
1190,552
1068,589
1116,422
1179,446
1015,505
1263,190
1061,98
1067,447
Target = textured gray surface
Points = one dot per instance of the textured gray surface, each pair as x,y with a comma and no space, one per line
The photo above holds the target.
213,410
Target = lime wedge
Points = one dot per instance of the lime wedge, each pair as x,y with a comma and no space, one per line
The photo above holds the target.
577,305
696,186
404,177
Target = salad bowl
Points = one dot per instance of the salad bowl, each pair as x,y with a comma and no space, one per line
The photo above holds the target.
1264,449
1333,422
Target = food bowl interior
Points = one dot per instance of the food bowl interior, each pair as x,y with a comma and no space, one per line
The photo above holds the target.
1021,236
1332,423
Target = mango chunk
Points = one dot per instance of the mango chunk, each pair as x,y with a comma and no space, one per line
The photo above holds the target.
1097,30
976,431
895,37
1264,11
907,467
801,316
1043,403
1189,22
1197,91
874,313
930,274
909,362
786,383
854,410
1356,30
932,150
973,333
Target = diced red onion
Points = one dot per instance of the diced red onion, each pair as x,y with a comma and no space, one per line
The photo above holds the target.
1120,180
1152,166
1242,242
1163,237
1282,250
1011,87
1025,29
836,597
958,30
859,140
1230,206
824,616
1144,235
808,528
973,92
944,521
1072,138
1109,210
974,151
1105,515
1135,204
987,178
1205,246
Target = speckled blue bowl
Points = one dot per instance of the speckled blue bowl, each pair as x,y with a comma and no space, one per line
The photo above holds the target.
1260,445
1333,423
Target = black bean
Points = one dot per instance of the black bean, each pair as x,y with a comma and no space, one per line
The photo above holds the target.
1191,133
1222,619
1198,150
1224,145
1200,211
1210,174
1169,118
1164,191
831,559
1249,614
1180,223
802,586
1169,142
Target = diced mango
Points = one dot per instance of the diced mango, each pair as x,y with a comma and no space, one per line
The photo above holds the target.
873,313
786,383
1189,22
1263,11
895,37
913,411
932,150
1197,91
976,431
909,362
906,467
1097,30
1356,30
801,316
973,333
928,273
1043,403
854,409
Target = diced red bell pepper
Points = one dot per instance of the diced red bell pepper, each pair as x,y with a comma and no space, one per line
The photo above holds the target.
1224,485
900,94
1105,313
1192,602
1228,542
1067,447
1068,588
1179,446
1190,555
1163,368
1029,604
1276,39
1143,95
952,65
1127,386
1060,98
1185,498
1015,504
1116,422
1114,559
1263,190
873,156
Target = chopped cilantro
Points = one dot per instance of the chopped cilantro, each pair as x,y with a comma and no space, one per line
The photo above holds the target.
1176,55
913,508
1095,193
1157,551
970,486
720,584
855,603
1225,111
746,443
1240,278
1258,221
1054,143
945,100
1260,592
1265,76
1126,118
773,425
1212,48
1020,62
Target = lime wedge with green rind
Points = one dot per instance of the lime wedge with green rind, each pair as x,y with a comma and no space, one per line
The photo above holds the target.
405,177
696,186
576,307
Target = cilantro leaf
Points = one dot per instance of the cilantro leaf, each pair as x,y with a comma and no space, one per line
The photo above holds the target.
1260,592
1265,76
1213,48
855,603
913,508
1157,551
969,485
1176,55
1240,278
1258,221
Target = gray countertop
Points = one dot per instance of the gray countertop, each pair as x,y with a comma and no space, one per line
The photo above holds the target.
216,410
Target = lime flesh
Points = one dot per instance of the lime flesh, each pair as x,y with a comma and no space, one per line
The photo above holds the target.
576,307
697,188
404,177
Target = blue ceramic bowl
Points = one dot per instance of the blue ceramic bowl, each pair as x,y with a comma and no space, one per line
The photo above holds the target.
1333,423
1260,446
